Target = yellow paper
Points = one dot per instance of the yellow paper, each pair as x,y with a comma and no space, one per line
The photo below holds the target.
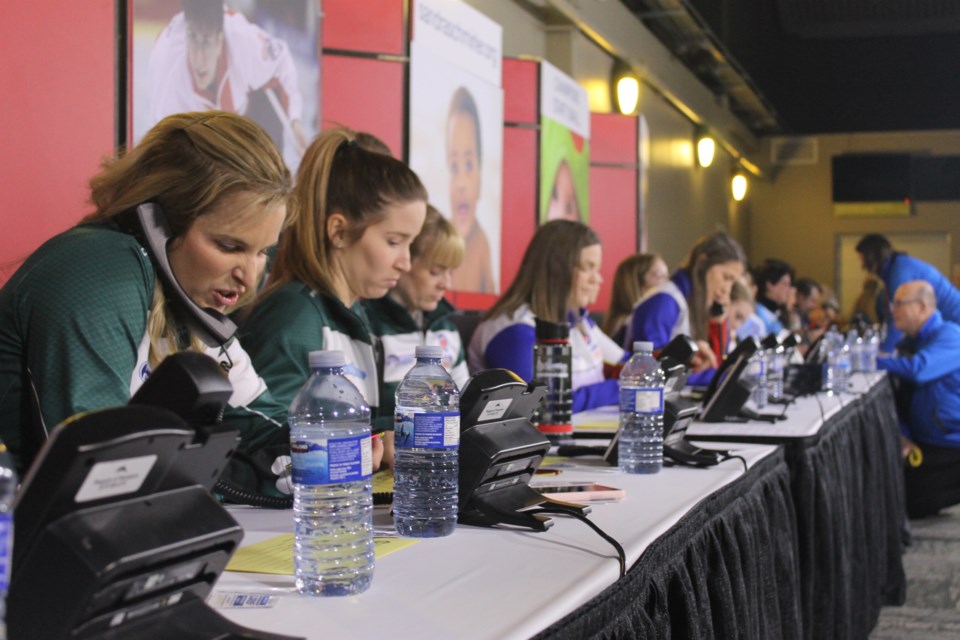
549,460
599,424
383,481
275,556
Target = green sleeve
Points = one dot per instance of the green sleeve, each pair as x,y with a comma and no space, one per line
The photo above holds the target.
81,305
388,404
262,423
279,335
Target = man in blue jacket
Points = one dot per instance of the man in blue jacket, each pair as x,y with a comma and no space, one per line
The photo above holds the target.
930,373
895,268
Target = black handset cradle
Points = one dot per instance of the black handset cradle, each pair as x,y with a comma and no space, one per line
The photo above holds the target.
499,452
729,389
117,535
152,229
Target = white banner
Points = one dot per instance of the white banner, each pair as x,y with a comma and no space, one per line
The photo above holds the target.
563,100
460,34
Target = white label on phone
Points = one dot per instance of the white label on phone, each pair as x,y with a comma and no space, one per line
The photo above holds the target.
115,478
495,409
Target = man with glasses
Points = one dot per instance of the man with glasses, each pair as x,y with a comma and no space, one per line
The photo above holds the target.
928,369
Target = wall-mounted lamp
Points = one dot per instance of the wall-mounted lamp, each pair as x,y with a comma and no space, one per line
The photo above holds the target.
738,186
626,88
706,148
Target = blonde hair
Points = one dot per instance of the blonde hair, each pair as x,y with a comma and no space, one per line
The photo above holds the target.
628,288
739,292
337,175
189,163
438,243
545,277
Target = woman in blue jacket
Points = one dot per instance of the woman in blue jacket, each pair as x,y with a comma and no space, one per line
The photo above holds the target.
558,278
694,302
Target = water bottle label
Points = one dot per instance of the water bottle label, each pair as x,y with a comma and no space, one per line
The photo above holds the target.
640,400
427,430
331,460
6,548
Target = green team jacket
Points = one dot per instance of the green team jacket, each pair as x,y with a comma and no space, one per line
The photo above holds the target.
73,321
400,334
284,327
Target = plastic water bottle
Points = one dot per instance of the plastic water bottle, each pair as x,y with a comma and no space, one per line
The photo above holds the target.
8,489
427,440
552,365
641,412
844,366
872,342
857,351
831,363
757,371
332,491
776,362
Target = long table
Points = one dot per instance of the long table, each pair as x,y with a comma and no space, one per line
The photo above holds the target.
805,544
843,451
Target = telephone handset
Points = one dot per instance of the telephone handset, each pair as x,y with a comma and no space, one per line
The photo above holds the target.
744,349
211,326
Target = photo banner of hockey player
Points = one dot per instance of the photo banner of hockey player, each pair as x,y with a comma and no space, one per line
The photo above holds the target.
456,129
257,58
564,147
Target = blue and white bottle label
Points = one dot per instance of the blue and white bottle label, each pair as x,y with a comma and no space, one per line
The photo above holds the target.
641,400
427,430
331,460
6,549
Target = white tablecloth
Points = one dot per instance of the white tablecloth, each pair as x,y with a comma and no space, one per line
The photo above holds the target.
485,583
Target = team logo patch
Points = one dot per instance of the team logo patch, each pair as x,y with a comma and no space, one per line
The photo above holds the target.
144,371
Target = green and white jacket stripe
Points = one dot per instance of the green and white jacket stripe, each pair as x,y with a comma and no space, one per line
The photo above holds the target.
400,334
284,327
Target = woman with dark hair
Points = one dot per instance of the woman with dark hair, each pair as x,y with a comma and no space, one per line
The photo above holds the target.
92,312
360,211
694,301
774,281
894,268
558,278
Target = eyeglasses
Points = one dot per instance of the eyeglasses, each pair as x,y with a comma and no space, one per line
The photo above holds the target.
896,304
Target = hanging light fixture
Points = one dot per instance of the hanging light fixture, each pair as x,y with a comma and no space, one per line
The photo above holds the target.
626,88
738,186
628,94
706,148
